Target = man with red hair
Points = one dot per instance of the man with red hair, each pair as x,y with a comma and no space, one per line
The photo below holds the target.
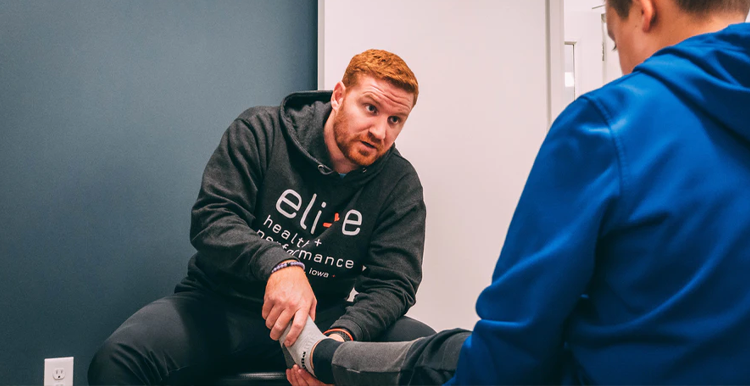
298,205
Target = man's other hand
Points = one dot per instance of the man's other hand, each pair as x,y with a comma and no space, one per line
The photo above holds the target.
298,377
288,296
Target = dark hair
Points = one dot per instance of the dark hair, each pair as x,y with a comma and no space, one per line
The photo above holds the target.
696,7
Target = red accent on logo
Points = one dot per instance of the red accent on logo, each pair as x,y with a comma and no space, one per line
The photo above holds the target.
328,224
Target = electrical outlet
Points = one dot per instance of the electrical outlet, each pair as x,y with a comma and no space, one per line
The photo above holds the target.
58,371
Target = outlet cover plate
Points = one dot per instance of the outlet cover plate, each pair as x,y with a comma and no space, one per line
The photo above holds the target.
58,371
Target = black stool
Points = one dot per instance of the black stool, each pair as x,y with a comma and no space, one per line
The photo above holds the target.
252,379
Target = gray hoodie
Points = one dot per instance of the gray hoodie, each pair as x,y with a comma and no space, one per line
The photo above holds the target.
269,194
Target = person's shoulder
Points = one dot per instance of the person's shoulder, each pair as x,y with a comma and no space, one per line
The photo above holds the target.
262,121
259,112
632,94
399,168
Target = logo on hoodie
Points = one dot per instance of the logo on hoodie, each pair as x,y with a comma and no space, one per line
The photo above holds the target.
290,203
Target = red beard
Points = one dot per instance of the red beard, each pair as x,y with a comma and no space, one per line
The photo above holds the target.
353,146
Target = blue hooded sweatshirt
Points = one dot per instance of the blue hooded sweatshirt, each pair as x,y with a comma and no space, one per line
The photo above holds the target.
628,257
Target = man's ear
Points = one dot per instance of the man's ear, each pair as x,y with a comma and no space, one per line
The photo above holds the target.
646,11
337,97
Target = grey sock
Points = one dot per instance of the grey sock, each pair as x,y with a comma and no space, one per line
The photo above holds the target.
287,357
300,350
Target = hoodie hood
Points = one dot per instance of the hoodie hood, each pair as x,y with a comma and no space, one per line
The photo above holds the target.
303,118
711,72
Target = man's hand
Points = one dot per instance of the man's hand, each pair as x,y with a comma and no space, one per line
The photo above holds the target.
288,295
298,377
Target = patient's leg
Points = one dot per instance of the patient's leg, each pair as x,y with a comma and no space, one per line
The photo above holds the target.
426,361
429,360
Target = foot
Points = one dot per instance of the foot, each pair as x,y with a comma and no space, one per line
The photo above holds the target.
301,350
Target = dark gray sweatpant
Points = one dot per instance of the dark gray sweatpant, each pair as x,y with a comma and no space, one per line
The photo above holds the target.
194,336
426,361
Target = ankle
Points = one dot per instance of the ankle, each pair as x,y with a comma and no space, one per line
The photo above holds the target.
312,352
322,362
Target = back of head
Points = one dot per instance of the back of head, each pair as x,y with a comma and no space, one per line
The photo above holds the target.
695,7
382,65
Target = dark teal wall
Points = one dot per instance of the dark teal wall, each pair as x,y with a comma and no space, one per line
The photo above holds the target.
109,111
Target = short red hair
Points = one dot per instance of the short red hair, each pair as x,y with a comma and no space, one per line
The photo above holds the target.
382,65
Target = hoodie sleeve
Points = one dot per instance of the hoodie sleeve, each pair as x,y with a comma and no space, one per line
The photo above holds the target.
549,253
387,287
221,219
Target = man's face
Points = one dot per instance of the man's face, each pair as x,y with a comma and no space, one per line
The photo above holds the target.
630,40
369,118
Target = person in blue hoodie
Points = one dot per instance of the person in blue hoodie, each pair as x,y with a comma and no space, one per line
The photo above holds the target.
626,260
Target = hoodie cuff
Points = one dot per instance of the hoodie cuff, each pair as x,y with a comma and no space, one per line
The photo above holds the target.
355,330
271,259
340,331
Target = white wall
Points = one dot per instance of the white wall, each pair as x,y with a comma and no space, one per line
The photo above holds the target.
482,115
583,26
586,27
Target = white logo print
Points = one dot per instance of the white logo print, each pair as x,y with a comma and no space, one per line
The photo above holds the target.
290,199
